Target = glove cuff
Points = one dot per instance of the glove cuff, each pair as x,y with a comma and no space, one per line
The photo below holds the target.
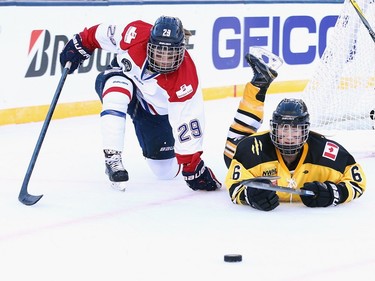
77,41
336,193
192,165
199,170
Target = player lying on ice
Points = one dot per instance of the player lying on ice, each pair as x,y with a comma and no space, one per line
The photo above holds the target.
295,156
154,80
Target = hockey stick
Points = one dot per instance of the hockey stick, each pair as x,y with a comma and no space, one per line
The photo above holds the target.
363,19
266,186
24,197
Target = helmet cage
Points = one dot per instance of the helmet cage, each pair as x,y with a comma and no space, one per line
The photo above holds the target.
290,126
296,136
164,59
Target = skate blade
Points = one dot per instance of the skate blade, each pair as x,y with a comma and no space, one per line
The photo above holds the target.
120,186
272,61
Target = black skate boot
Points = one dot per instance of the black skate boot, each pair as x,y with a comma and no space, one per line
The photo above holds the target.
115,169
263,74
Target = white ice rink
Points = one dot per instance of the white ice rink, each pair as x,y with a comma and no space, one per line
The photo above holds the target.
161,230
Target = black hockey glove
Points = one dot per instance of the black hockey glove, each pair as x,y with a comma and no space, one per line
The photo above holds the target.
326,194
264,200
74,52
202,178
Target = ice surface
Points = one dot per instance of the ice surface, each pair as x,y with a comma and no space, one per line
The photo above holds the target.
161,230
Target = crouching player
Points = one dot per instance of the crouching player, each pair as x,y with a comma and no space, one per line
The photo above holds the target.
153,80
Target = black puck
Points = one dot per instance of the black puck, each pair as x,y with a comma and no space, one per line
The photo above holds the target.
232,258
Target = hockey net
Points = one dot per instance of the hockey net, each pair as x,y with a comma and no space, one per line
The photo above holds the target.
341,93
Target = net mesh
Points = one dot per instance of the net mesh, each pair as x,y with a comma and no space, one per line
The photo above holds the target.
341,93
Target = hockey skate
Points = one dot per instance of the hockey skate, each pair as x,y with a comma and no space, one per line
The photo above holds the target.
264,73
115,169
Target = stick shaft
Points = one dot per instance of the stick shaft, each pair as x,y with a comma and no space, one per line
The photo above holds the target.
363,19
24,197
266,186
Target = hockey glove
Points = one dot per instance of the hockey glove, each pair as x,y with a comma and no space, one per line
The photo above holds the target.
264,200
74,52
326,194
202,178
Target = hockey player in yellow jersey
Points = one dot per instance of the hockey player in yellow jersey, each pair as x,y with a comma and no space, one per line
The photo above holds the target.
300,158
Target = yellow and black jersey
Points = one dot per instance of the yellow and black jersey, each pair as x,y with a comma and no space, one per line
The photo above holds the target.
320,160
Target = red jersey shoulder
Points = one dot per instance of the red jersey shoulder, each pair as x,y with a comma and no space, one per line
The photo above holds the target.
181,84
134,33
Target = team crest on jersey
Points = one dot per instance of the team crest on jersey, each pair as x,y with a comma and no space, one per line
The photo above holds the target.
292,183
127,65
184,91
257,146
330,151
130,34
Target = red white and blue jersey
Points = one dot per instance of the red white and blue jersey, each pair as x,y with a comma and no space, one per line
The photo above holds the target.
176,94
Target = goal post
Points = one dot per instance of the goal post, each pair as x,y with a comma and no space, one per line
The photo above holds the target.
341,93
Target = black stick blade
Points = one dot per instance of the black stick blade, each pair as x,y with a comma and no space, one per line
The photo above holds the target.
29,199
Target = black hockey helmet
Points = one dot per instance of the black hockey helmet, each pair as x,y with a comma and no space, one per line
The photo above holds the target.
290,125
166,45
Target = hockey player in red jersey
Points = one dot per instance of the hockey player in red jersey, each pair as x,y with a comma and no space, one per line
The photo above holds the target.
153,80
289,152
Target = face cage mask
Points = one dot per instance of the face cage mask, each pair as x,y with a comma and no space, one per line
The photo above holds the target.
164,59
289,149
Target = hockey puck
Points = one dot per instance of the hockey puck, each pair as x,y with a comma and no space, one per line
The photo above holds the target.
232,258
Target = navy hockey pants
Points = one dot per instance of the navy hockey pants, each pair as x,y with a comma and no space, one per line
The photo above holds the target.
154,132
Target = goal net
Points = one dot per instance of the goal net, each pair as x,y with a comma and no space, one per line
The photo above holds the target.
341,93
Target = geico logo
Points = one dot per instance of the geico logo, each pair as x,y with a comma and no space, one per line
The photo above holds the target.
297,39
